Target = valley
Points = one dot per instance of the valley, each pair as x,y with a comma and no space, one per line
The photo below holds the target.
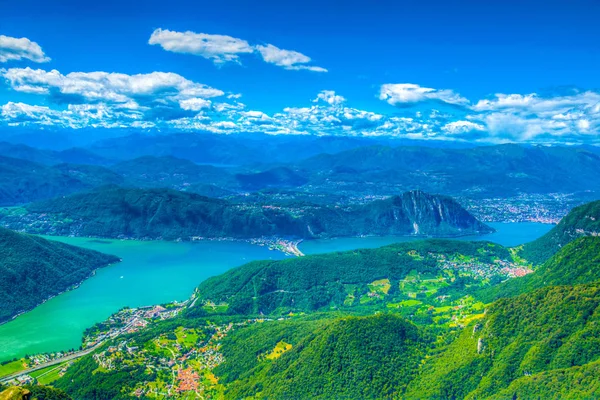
234,200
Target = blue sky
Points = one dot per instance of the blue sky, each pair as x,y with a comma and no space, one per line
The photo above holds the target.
495,71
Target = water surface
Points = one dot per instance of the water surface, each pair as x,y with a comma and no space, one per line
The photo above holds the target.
507,234
150,273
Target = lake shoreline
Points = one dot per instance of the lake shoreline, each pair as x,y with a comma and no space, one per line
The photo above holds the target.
72,287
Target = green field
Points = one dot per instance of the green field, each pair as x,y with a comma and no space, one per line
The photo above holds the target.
11,367
48,375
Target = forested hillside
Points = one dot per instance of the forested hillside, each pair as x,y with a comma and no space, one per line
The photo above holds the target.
33,269
353,357
355,278
581,221
168,214
23,181
550,332
33,392
284,329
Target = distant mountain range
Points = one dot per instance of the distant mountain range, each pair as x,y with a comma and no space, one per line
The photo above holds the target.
332,166
163,213
33,269
73,155
502,171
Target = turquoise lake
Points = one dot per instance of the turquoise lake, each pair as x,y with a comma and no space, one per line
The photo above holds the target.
507,234
150,273
158,272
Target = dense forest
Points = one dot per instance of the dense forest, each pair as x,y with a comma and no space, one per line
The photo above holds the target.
114,211
352,357
33,269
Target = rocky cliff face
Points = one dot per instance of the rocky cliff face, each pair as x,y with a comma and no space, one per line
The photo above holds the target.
414,213
434,214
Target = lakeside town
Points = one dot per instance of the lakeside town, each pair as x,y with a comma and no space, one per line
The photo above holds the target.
126,321
541,208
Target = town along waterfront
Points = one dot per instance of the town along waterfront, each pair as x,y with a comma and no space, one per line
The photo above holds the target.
152,272
155,272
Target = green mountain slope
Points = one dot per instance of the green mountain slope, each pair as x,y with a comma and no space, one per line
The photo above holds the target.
355,278
564,383
33,269
546,330
581,221
355,357
33,392
577,262
168,214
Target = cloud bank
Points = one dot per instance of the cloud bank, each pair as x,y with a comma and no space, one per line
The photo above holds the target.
222,49
168,101
17,49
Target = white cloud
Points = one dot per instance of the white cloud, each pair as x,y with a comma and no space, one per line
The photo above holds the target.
74,117
16,49
287,59
534,103
408,93
194,104
506,117
532,117
15,110
107,87
218,48
583,124
329,97
170,101
461,127
222,49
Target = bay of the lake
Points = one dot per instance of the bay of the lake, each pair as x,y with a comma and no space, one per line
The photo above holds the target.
154,272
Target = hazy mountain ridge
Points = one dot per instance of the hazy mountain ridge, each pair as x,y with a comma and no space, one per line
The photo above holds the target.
501,170
162,213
